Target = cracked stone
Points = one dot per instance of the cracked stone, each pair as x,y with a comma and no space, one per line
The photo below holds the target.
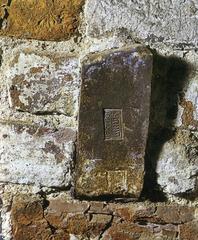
66,219
27,215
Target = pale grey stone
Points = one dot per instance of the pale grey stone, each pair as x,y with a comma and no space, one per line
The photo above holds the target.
177,164
153,21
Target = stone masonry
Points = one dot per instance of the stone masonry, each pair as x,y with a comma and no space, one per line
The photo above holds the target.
43,47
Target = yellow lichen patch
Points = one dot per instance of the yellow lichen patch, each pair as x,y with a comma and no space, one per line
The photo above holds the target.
41,19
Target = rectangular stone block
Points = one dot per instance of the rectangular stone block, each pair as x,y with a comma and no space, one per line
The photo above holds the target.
43,20
43,83
36,155
113,122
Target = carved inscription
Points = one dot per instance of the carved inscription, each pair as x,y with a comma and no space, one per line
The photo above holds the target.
113,124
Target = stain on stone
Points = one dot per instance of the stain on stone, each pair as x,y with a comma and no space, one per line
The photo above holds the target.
50,147
65,135
34,70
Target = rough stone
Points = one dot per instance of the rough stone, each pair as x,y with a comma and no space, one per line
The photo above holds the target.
58,210
43,20
190,105
153,21
28,221
36,155
174,214
177,164
132,212
43,83
113,122
75,218
66,219
128,231
189,231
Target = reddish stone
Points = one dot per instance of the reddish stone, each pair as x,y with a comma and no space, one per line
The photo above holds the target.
77,224
99,207
98,223
34,231
24,211
58,210
27,219
127,232
189,231
174,214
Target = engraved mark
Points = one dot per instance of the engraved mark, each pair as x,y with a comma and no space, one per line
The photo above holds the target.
113,124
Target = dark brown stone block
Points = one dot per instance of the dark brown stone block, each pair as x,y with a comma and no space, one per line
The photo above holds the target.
113,122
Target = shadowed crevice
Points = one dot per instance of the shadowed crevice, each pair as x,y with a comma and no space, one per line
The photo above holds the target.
170,77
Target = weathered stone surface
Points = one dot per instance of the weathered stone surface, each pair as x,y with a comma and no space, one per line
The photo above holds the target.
28,221
66,219
75,218
152,21
33,154
43,83
189,231
177,164
113,122
161,214
58,210
174,214
128,231
44,20
189,105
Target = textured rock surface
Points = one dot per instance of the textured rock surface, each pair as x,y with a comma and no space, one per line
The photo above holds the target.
32,154
153,21
177,165
45,83
45,20
70,219
189,230
39,102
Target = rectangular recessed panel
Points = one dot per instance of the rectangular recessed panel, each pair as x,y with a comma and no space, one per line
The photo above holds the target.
113,122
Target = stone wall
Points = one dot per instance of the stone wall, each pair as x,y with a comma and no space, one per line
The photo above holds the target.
42,46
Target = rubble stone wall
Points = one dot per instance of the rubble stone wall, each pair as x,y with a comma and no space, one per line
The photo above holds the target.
42,45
